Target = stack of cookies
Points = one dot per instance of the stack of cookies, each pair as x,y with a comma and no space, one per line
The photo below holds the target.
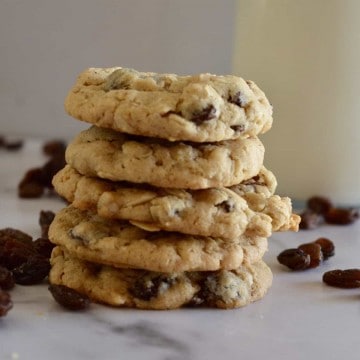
170,203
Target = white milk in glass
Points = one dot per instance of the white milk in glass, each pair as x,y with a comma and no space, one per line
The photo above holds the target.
305,55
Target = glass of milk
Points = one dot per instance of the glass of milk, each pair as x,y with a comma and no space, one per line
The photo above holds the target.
305,55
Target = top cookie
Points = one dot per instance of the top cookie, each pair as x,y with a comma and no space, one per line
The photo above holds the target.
199,108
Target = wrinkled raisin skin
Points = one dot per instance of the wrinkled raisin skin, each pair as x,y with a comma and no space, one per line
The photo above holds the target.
33,271
69,298
309,220
43,247
339,216
294,259
18,235
314,251
5,302
327,247
346,279
319,204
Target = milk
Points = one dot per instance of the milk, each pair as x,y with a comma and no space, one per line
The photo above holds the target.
305,55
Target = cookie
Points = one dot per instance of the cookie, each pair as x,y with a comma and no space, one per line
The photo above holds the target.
115,156
120,244
153,290
217,212
199,108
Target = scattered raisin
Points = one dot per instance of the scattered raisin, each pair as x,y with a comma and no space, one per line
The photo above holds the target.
327,247
51,167
6,279
315,253
14,145
295,259
346,279
309,220
319,204
31,185
45,219
341,216
69,298
43,247
5,302
18,235
205,114
13,253
33,271
54,147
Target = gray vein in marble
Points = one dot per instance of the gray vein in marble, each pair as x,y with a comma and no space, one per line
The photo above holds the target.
147,334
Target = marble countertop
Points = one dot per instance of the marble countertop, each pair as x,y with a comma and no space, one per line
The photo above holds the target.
300,317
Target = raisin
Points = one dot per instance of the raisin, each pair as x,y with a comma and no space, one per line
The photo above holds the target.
43,247
2,141
51,167
238,128
13,253
226,206
6,279
33,271
347,279
148,287
51,148
5,302
31,186
69,298
309,220
341,216
45,219
18,235
238,99
327,247
314,250
205,114
294,259
319,204
14,145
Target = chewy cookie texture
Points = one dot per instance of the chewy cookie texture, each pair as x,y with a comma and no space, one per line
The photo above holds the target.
170,202
200,108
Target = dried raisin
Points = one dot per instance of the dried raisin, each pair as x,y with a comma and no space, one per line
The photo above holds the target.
69,298
340,216
54,147
327,247
319,204
33,271
205,114
314,250
295,259
43,247
347,279
309,220
45,219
